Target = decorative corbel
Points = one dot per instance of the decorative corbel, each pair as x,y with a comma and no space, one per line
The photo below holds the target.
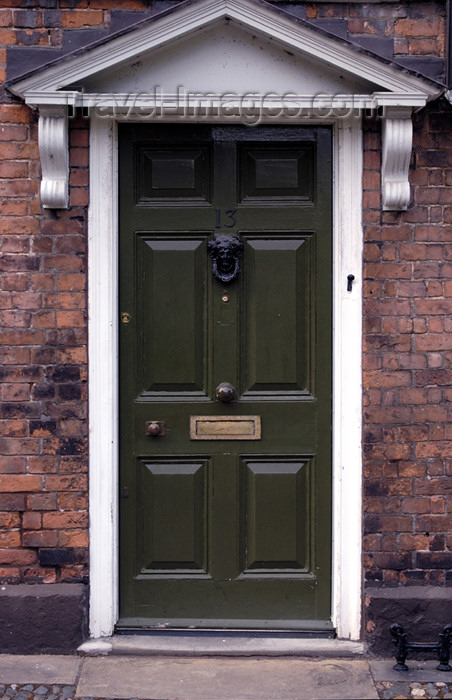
397,145
54,153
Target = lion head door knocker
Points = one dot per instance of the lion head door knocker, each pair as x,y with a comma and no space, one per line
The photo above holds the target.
225,251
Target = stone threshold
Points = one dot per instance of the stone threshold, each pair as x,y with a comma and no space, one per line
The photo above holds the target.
218,644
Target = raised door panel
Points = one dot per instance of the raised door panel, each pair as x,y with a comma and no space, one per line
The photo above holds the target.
276,173
171,300
276,514
171,175
278,316
172,505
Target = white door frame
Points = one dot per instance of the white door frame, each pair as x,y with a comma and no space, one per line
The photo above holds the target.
347,381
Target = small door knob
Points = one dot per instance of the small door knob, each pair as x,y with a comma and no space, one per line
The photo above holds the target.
225,392
155,427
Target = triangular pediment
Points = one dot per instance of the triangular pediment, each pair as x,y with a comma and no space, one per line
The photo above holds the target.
224,60
223,45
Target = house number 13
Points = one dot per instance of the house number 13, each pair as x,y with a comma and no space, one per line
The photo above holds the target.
230,216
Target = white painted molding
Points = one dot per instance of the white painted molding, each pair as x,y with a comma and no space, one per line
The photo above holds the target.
347,385
54,154
347,380
397,145
103,377
148,105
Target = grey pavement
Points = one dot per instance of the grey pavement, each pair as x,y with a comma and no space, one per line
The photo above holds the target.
219,678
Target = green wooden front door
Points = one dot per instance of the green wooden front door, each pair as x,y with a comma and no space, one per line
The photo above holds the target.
221,526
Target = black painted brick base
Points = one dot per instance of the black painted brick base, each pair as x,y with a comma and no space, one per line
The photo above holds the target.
421,610
43,618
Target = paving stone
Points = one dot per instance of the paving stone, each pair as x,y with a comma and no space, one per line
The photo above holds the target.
399,689
418,671
68,691
37,670
385,693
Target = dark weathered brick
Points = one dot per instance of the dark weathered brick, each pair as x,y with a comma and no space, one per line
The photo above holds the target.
64,373
62,555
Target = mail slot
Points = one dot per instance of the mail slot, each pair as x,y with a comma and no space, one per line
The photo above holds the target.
225,427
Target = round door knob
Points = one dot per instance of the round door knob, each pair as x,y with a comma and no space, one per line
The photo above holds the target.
225,392
155,427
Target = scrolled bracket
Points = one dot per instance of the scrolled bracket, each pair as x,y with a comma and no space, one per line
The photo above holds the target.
397,145
54,154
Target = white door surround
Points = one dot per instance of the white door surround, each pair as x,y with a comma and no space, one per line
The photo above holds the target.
103,378
225,61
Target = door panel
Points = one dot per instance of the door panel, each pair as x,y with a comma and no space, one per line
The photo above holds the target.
175,496
225,531
171,303
276,297
173,175
280,488
276,173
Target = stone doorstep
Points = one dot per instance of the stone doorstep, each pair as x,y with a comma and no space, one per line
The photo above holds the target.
218,644
225,678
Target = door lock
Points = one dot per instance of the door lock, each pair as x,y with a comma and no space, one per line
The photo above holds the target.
155,428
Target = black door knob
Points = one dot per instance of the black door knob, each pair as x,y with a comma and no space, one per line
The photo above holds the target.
225,392
155,427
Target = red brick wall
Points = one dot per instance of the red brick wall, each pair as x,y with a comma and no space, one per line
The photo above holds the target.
43,443
408,364
407,318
